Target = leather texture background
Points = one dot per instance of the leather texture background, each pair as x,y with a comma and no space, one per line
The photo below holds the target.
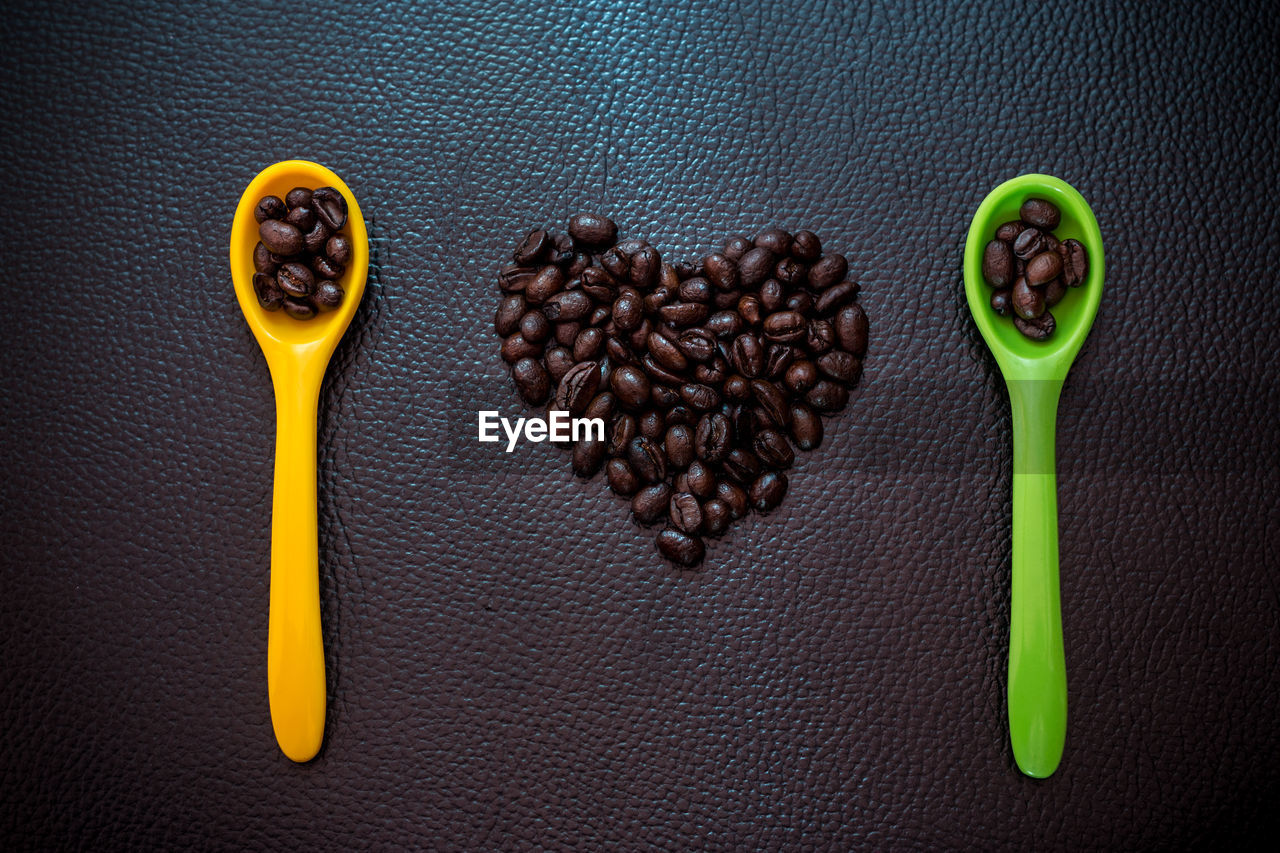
511,666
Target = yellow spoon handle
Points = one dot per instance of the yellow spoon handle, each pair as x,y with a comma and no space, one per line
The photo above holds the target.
295,648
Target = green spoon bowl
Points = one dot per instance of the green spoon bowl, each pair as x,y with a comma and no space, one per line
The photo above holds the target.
1034,372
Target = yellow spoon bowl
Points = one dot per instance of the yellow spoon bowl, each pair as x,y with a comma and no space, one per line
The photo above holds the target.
297,352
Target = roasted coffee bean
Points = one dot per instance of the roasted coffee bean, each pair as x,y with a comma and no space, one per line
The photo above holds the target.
700,480
737,388
778,358
697,345
721,272
741,466
1053,292
667,353
1009,231
328,295
712,439
750,310
801,302
651,503
630,386
269,294
631,246
1043,268
566,332
616,264
806,426
664,397
1002,301
1028,303
534,327
681,314
578,263
829,270
734,497
678,445
296,280
699,397
754,267
747,356
338,249
743,423
736,248
679,413
771,296
622,429
786,327
1029,243
695,289
516,279
622,479
821,336
639,336
263,262
767,491
588,455
681,548
558,360
269,207
577,387
588,345
716,517
531,380
315,240
840,366
685,513
1039,328
646,459
280,238
772,400
568,305
326,268
658,373
851,329
298,197
775,240
827,397
330,207
806,247
302,218
595,279
618,351
655,300
801,376
1040,213
724,324
835,297
774,450
997,263
790,273
628,310
548,282
601,406
653,425
600,316
593,230
534,248
712,374
645,267
299,309
1075,262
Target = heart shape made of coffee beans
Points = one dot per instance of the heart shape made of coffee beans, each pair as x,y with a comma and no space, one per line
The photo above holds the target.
704,374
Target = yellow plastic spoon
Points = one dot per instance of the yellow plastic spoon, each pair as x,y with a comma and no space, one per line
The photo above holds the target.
297,352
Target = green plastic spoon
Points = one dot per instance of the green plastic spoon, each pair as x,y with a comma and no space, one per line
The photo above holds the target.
1034,372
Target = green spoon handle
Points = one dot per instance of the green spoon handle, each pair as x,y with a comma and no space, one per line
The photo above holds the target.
1037,666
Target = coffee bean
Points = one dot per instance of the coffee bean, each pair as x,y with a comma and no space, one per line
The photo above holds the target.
1053,292
771,296
786,327
700,480
1009,231
741,465
724,324
790,273
851,330
1002,301
1075,262
801,376
685,513
516,279
269,207
1040,213
721,272
568,305
653,425
1043,268
628,310
263,262
681,314
997,263
630,386
699,397
747,355
534,327
588,456
775,240
806,246
1029,243
1028,303
827,397
296,280
713,437
646,459
338,249
601,406
269,294
299,309
616,264
735,248
1038,328
835,297
297,197
534,248
645,266
697,344
510,311
667,353
280,238
821,337
716,517
806,426
639,336
328,295
841,366
618,351
681,548
317,238
658,373
777,359
588,345
750,310
695,290
679,446
547,283
755,266
622,480
516,347
566,332
734,497
830,270
326,268
302,218
774,450
767,491
651,503
622,429
593,230
531,380
331,207
577,387
631,246
772,400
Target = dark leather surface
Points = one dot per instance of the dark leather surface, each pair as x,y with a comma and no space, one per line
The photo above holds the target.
510,664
